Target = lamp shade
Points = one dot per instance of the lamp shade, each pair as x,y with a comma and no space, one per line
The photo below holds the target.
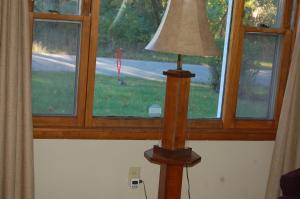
184,30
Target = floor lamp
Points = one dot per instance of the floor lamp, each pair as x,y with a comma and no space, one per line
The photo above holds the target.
184,30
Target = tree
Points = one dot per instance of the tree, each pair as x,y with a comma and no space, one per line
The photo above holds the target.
217,13
256,13
128,24
157,10
261,13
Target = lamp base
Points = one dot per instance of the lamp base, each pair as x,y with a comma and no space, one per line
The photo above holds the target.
172,156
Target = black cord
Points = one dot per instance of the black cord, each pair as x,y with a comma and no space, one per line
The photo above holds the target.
188,181
141,181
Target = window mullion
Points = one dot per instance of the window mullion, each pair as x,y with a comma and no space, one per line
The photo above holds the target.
92,62
233,70
82,75
288,7
86,7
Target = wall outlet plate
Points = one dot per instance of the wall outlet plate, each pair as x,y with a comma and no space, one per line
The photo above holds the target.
134,183
134,177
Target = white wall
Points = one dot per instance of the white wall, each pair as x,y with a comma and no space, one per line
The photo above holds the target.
98,169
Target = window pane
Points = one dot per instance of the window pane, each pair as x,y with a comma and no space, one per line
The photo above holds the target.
67,7
206,95
54,67
258,80
125,29
263,13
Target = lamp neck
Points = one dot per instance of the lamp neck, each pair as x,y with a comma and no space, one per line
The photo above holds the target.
179,62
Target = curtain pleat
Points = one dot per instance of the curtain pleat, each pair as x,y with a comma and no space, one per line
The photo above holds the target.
16,142
286,155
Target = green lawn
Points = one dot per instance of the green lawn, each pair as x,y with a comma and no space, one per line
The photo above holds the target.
53,93
134,98
131,99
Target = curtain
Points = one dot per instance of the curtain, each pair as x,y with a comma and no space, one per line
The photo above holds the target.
286,155
16,142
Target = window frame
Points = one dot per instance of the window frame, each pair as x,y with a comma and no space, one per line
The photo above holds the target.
85,126
230,121
84,19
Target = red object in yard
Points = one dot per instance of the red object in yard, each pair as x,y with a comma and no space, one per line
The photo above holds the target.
118,56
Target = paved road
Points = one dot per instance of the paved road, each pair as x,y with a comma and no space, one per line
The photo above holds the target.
150,70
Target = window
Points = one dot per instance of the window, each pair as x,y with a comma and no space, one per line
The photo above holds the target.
259,76
71,7
137,84
59,61
55,58
92,78
130,88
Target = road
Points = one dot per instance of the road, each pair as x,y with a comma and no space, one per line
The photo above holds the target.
150,70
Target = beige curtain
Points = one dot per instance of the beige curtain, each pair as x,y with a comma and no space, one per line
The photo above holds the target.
286,155
16,150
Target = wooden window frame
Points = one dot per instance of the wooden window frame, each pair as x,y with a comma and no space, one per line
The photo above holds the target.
85,126
84,19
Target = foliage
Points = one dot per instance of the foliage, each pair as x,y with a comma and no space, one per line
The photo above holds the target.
257,49
256,13
261,13
217,14
56,37
127,24
61,6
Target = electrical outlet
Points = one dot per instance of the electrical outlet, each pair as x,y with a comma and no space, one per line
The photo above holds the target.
134,177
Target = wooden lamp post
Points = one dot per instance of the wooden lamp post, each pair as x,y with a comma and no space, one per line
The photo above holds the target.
184,30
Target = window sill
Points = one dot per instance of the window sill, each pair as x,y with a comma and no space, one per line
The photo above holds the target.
151,134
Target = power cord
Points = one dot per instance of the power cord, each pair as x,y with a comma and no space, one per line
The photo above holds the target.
141,181
188,181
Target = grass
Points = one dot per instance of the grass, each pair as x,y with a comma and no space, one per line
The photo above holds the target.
53,94
134,98
252,109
